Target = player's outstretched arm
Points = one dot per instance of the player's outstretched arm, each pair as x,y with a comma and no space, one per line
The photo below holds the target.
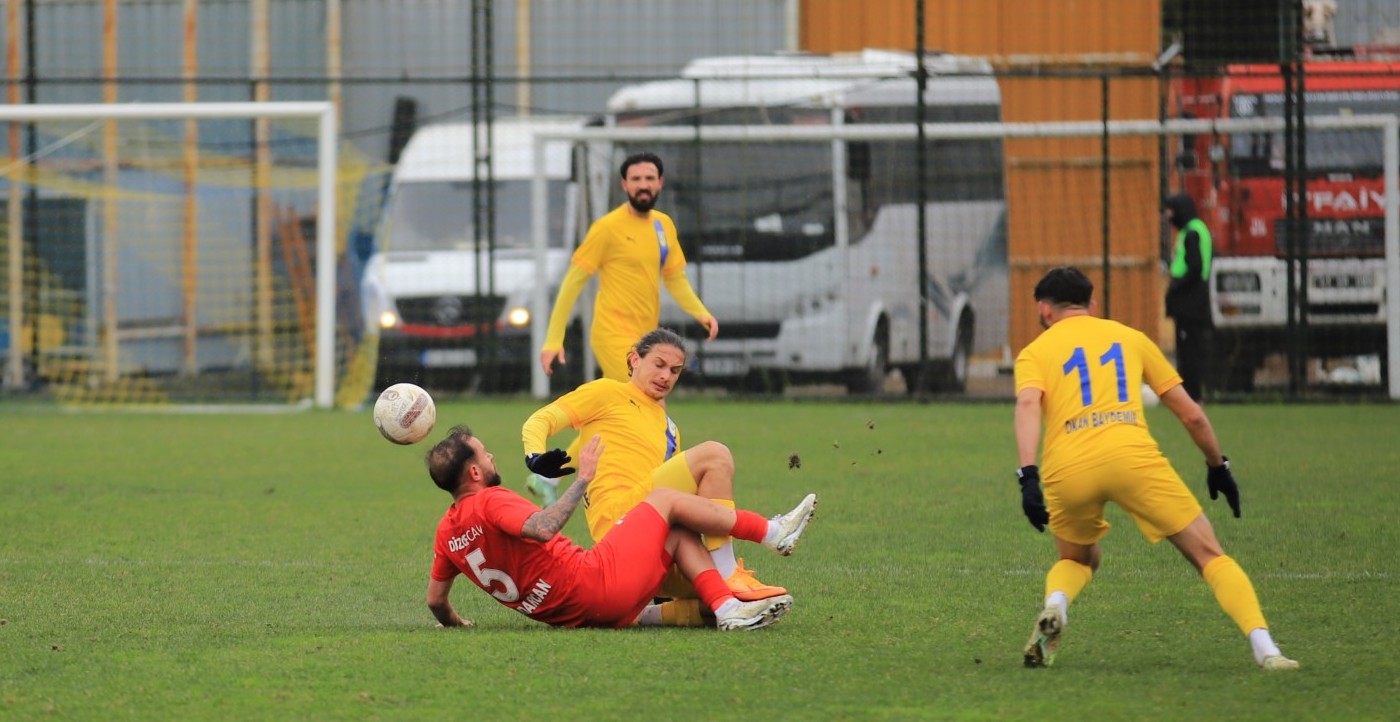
535,433
681,290
1193,419
1219,478
711,323
441,606
549,464
569,289
548,357
1027,426
545,523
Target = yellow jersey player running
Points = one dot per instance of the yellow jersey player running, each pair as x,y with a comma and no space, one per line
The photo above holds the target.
1083,376
644,451
633,249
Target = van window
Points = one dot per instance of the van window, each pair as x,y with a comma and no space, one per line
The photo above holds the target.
437,216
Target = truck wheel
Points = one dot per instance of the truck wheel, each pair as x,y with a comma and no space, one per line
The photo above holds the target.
951,374
870,378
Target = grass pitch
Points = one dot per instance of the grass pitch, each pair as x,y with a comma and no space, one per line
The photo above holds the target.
273,567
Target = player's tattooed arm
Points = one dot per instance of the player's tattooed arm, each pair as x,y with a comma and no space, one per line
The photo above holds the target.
545,523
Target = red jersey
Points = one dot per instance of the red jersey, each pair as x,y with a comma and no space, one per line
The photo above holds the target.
556,582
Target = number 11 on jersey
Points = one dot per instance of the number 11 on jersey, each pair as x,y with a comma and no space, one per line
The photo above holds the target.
1078,361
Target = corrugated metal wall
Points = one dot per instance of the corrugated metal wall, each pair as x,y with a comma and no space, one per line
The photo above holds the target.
1055,188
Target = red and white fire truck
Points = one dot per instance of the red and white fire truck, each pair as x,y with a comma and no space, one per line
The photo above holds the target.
1237,182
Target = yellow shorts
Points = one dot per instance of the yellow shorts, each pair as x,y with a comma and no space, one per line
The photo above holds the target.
1149,489
676,586
602,514
674,473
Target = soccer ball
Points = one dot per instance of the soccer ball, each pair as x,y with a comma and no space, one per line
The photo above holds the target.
405,413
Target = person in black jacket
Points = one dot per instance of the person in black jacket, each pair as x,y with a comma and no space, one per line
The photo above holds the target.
1188,295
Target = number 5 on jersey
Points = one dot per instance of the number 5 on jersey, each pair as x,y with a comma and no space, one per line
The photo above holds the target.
488,576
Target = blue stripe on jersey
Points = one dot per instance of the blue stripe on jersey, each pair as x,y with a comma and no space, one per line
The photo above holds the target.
672,435
662,245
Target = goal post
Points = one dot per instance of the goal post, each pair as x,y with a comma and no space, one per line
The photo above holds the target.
1387,125
131,179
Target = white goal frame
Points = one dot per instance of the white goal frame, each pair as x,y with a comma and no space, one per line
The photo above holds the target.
326,138
1389,125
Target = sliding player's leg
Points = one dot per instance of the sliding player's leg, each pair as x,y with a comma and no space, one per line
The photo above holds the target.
779,533
731,614
707,470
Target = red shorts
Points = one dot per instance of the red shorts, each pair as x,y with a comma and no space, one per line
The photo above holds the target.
630,564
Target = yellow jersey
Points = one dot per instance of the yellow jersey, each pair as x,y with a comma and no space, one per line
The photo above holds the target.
632,256
636,432
1091,371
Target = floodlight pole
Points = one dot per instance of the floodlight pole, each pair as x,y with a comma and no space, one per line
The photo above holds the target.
921,380
539,299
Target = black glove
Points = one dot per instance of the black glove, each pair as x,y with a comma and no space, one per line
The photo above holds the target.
550,464
1032,501
1220,481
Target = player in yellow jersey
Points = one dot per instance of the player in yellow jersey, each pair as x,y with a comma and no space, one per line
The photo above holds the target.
1083,377
644,450
633,249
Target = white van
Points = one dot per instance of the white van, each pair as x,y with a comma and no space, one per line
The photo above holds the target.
451,306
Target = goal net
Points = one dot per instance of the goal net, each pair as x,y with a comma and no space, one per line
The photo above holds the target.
179,253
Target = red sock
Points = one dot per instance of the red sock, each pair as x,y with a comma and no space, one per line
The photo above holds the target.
711,588
749,526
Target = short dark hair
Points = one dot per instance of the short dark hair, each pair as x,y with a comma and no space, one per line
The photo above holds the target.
449,458
1065,286
656,337
643,157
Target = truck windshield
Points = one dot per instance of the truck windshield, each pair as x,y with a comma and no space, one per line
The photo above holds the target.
437,216
746,201
1333,151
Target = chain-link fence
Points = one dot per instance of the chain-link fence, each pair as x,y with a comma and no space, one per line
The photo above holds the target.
877,259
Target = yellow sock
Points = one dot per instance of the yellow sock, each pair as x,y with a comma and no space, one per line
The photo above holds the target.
1067,576
1235,593
715,542
681,613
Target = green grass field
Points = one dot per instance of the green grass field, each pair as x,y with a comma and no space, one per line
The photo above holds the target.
240,567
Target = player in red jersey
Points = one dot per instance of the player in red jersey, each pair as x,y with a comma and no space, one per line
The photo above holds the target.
513,550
